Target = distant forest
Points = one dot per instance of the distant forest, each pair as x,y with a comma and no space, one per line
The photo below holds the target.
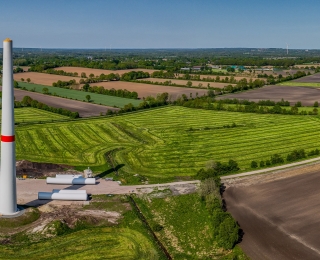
160,59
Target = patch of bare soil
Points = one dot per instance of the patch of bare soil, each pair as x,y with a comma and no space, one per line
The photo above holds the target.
163,191
38,170
67,214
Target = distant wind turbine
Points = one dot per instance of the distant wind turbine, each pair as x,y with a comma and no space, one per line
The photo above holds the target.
287,49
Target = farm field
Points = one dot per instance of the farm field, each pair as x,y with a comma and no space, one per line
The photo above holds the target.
42,78
159,144
106,243
84,109
276,92
312,81
81,95
98,72
277,211
315,78
194,82
29,114
145,90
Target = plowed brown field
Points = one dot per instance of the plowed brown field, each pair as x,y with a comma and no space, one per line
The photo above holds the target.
145,90
42,78
279,218
315,78
273,92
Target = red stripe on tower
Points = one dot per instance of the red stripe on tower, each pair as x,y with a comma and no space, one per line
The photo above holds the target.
7,138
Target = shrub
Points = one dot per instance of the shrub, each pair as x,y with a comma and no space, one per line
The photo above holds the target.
228,232
314,152
254,164
268,163
157,227
296,155
262,164
298,104
276,158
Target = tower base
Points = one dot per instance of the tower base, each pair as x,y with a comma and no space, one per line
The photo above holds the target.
20,211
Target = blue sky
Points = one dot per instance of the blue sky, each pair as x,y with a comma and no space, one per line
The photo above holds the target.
161,24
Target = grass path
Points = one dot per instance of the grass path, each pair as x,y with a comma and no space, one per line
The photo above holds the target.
300,84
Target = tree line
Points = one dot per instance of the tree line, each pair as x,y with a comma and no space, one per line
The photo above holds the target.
64,84
110,92
225,228
295,155
208,102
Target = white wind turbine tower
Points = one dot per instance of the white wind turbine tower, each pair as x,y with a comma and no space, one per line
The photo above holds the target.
287,49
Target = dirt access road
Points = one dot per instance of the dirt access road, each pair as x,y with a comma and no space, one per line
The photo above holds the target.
27,190
279,213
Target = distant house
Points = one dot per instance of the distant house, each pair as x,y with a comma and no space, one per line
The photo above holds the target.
213,66
197,68
185,69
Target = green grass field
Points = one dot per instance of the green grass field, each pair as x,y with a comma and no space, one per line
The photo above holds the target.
159,144
97,243
187,227
300,84
81,95
29,114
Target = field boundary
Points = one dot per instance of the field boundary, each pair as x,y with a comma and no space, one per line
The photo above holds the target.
145,222
270,169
